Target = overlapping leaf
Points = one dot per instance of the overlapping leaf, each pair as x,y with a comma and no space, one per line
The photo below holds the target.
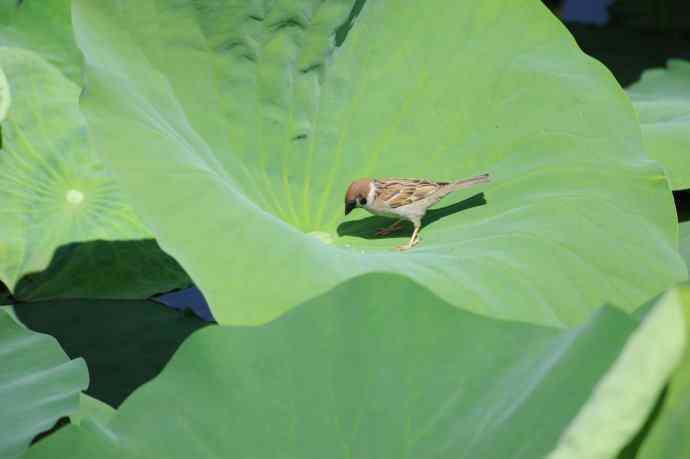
125,342
670,434
349,375
662,100
57,200
38,385
685,241
92,409
243,131
44,27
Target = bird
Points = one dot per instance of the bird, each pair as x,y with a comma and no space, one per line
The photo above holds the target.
402,199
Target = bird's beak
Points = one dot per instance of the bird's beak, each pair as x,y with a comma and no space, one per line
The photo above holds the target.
349,206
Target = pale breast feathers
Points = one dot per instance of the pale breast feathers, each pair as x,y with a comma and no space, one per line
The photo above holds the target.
399,192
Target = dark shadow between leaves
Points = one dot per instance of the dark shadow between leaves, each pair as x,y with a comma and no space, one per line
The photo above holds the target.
5,295
342,31
129,269
366,227
125,343
682,200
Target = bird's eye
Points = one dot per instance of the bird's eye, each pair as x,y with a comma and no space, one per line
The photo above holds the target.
363,201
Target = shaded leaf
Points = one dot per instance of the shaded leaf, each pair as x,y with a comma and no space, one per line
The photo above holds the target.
662,100
347,375
56,191
130,269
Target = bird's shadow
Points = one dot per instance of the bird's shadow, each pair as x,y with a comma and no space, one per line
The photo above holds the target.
366,227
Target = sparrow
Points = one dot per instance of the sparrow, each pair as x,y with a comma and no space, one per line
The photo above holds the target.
402,199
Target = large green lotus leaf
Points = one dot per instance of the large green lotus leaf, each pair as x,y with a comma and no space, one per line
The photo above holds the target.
662,100
670,434
57,200
349,375
236,131
45,27
38,385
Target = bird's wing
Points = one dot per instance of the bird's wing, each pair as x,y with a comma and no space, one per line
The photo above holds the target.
399,192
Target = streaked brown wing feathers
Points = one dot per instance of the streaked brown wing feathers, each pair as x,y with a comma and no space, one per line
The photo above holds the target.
398,192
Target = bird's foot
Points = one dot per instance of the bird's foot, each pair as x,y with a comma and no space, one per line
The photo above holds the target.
408,246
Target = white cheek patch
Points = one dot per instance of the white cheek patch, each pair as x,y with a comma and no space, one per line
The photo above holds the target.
371,195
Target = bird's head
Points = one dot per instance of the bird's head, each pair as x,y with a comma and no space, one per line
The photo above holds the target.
356,195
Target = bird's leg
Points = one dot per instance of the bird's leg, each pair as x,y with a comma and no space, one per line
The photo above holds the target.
414,239
389,229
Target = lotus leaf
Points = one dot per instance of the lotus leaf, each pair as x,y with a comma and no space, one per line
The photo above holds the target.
92,409
45,27
670,434
38,385
236,127
349,375
685,241
58,200
662,100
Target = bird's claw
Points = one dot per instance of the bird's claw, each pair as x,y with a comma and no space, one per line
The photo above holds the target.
407,246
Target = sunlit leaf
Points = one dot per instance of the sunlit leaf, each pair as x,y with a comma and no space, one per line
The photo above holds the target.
235,130
670,434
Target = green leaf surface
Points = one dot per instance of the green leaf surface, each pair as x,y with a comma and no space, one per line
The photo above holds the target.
662,100
9,310
684,242
129,269
244,128
92,409
58,200
44,27
5,96
670,434
347,375
38,385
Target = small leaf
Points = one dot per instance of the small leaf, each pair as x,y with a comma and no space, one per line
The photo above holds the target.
662,100
38,385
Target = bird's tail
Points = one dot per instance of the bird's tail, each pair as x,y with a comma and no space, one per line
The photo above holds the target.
466,183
